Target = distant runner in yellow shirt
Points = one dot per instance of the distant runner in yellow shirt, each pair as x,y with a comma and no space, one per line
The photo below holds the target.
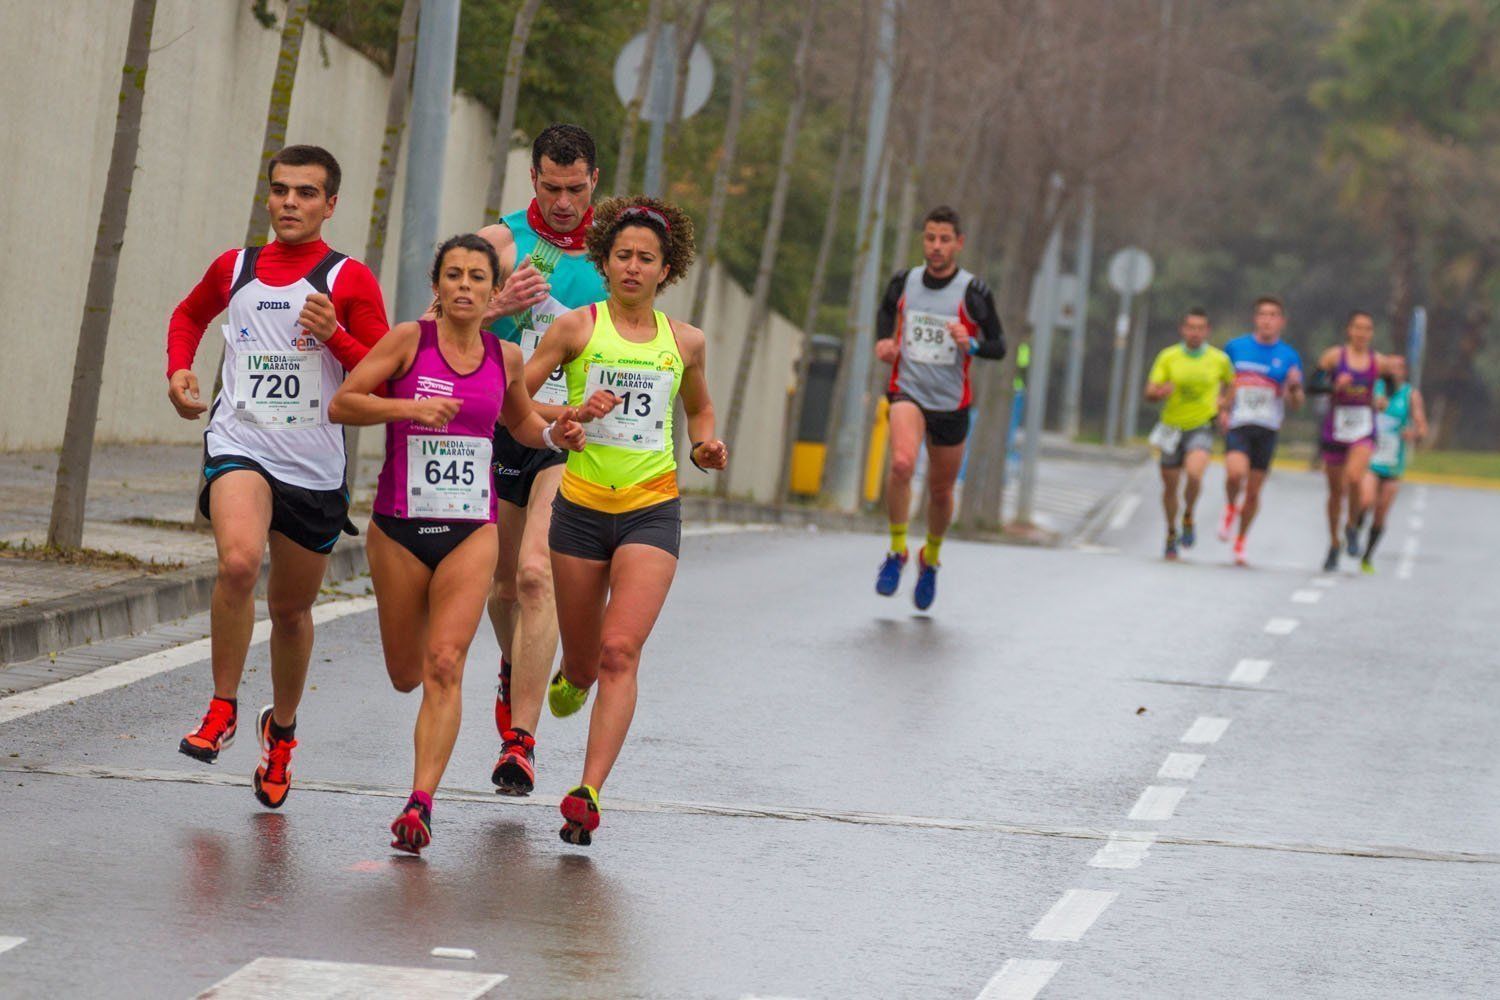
1193,379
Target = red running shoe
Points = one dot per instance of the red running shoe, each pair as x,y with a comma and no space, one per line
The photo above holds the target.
214,734
273,778
580,809
412,830
515,771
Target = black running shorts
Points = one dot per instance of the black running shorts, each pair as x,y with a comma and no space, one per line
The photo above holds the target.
516,467
592,534
1258,443
311,518
945,428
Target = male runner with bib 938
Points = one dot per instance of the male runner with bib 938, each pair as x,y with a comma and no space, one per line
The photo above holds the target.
933,320
432,539
1267,376
542,252
300,315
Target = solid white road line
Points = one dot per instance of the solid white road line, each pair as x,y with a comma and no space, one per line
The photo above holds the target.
1124,511
1281,626
1307,596
1072,915
1020,979
1249,671
7,943
26,703
1124,849
308,980
1205,729
722,528
1157,803
1181,766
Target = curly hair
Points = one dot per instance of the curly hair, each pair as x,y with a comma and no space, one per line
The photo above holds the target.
676,235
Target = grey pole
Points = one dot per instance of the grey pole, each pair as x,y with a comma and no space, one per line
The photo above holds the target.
663,96
843,472
431,97
1117,371
1041,362
1073,386
1130,416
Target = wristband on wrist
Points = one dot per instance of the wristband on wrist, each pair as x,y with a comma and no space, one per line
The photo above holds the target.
693,455
973,345
547,437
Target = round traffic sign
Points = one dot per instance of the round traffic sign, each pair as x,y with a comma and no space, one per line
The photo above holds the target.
628,69
1131,271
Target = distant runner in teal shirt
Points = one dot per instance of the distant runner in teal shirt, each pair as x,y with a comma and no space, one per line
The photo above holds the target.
1399,425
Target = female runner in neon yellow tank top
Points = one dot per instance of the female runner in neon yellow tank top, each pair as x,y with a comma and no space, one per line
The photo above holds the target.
617,520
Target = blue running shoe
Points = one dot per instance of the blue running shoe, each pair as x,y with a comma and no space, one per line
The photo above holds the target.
889,577
1189,532
926,591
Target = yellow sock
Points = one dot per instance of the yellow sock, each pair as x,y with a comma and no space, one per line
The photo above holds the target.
932,548
898,538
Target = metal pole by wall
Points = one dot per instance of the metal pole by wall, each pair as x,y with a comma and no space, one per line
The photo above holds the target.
662,95
1041,362
1117,371
1073,384
845,461
1130,416
431,98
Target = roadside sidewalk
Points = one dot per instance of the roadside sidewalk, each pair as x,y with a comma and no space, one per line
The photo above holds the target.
146,565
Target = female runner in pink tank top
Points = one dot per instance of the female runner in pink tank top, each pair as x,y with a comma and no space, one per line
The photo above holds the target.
432,544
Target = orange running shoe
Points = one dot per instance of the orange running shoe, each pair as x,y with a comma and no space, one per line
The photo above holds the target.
215,733
273,778
1226,523
1239,551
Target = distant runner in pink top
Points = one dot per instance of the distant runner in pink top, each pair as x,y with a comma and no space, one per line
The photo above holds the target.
432,545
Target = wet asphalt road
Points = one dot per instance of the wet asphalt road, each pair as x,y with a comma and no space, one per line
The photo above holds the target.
828,795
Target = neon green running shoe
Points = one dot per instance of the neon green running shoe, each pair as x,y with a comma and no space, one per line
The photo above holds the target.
564,697
1366,567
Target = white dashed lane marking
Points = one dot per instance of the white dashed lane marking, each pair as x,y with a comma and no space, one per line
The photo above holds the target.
1125,849
1249,671
1181,766
1157,803
1205,729
7,943
1307,596
1020,979
1072,915
1281,626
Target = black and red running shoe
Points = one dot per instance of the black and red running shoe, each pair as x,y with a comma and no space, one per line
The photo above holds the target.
515,771
214,734
412,830
580,811
502,699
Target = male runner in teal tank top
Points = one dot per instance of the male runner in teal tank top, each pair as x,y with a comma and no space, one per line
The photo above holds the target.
546,272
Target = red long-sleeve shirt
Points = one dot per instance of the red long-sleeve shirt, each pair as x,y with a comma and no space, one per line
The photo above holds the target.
358,304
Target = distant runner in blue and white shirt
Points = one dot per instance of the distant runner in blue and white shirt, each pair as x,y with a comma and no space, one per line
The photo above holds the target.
1267,376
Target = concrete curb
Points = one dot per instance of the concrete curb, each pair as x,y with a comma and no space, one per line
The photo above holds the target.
132,606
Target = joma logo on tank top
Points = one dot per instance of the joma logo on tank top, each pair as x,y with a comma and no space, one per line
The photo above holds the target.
264,304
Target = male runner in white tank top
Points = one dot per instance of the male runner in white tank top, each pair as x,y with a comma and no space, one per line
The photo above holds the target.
300,315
